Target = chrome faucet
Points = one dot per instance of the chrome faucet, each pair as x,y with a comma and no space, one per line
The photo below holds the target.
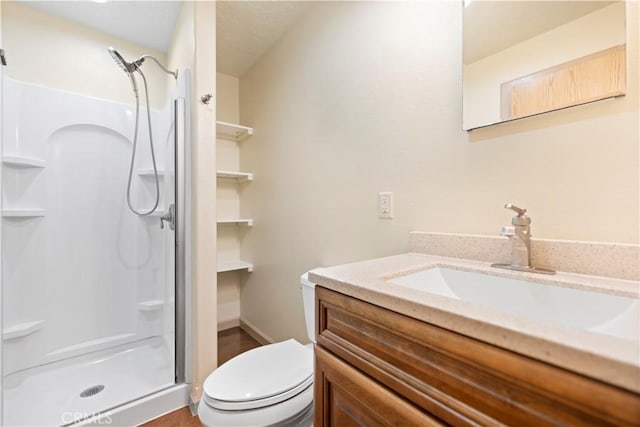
519,233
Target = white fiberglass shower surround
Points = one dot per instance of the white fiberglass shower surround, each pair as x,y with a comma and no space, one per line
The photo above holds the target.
92,294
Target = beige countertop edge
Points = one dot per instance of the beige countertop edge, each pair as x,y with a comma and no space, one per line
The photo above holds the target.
574,350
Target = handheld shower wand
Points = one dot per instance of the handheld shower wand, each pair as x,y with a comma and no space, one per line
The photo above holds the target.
130,68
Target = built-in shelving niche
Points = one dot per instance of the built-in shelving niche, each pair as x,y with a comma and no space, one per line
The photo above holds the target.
232,131
232,265
240,221
149,173
237,133
238,176
21,330
23,213
150,305
23,161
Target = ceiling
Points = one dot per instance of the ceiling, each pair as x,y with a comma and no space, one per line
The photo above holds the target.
147,23
492,26
245,30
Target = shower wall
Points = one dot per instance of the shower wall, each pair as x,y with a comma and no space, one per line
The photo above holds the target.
80,271
56,52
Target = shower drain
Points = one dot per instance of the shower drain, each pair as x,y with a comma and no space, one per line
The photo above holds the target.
92,391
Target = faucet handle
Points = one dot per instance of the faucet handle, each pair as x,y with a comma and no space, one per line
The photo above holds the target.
516,209
520,219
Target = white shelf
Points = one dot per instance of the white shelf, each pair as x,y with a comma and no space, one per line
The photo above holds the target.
148,172
239,221
234,265
232,131
239,176
23,162
21,330
23,213
150,305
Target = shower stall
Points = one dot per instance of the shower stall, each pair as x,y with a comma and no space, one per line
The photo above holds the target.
92,291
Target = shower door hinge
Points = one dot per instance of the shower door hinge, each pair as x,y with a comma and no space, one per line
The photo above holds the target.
2,57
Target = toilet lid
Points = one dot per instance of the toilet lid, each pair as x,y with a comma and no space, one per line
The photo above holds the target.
262,376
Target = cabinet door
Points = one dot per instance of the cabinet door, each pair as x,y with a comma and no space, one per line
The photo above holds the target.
459,380
344,397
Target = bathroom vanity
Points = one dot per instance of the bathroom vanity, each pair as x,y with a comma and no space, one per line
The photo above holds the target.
389,354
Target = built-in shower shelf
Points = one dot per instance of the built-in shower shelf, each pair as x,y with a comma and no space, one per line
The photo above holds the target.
21,330
148,172
150,305
240,221
23,213
238,176
23,162
232,131
234,265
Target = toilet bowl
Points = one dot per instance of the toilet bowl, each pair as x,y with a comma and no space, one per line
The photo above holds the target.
270,385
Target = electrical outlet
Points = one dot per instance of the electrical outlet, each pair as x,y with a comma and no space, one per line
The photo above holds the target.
385,205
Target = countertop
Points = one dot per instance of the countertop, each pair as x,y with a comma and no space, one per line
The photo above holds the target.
612,360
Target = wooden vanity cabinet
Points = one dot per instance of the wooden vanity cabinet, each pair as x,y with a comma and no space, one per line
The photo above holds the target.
375,367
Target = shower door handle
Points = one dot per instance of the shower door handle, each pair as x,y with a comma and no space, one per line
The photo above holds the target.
170,217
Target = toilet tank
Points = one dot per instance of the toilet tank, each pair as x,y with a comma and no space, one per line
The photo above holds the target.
309,302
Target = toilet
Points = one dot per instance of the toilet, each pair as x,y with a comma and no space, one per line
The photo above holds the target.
270,385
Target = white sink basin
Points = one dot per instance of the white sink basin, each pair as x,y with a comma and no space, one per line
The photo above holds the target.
602,313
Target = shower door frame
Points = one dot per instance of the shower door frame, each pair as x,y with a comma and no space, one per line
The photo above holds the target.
1,130
182,137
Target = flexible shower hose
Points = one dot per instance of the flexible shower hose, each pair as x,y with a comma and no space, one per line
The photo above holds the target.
133,153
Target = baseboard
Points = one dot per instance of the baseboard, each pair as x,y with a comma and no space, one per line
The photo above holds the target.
228,324
193,407
256,333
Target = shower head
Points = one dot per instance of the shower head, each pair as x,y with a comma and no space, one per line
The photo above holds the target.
126,66
130,67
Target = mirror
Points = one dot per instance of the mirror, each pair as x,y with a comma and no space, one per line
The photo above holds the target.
522,58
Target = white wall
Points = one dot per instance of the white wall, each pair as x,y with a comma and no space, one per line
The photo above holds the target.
180,54
363,97
228,98
228,202
58,53
1,130
204,342
589,34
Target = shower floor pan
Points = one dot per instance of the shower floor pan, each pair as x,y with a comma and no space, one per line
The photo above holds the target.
80,388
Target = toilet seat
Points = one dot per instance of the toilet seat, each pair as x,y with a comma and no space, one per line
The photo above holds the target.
260,377
297,411
259,403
